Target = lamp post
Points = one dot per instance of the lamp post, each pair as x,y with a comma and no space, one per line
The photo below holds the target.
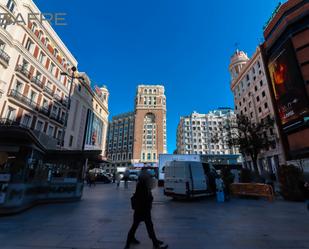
72,77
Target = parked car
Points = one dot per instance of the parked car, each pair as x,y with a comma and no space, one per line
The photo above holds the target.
186,179
102,177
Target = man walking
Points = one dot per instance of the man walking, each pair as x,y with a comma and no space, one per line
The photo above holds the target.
142,203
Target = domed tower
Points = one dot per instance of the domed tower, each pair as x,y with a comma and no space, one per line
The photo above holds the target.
238,60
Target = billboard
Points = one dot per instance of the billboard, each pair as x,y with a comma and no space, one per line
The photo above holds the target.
94,132
288,86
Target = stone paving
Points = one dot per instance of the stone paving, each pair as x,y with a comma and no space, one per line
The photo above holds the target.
101,221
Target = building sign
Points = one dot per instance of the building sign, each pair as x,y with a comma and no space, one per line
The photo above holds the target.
288,86
94,132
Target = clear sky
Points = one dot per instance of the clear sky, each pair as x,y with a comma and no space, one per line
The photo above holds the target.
185,45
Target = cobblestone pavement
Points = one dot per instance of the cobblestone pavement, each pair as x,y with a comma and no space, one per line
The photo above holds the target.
101,221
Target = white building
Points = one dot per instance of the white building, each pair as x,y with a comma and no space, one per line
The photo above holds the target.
35,87
252,98
205,133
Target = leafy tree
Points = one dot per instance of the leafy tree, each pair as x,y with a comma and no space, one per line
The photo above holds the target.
251,137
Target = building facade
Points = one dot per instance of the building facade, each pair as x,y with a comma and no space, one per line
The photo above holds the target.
252,98
33,93
36,91
120,137
150,124
137,138
206,133
286,55
88,117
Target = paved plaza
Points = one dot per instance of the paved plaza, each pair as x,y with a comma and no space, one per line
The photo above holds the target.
102,219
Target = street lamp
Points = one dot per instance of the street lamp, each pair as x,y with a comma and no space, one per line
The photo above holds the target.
72,77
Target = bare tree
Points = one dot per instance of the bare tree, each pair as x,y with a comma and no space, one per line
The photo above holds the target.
251,137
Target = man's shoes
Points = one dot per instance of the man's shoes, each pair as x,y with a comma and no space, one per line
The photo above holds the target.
160,246
135,241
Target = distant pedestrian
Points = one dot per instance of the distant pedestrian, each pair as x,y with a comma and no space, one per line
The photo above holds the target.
126,178
142,204
114,177
118,179
220,189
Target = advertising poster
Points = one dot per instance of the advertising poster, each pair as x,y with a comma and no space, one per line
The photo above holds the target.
94,132
288,86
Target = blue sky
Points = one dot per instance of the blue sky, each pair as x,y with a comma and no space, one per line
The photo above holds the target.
185,45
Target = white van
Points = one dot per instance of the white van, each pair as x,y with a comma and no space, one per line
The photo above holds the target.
186,179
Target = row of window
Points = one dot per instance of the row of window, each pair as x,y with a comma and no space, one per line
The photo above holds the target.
149,156
26,121
47,43
33,96
121,157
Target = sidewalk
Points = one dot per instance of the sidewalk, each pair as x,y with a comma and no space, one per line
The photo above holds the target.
102,219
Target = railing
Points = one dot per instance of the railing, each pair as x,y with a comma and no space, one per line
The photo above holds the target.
57,97
37,81
4,56
47,141
22,98
55,117
48,90
44,110
21,69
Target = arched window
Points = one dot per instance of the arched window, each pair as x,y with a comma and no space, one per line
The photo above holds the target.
63,61
145,90
11,5
34,27
40,34
150,91
46,42
56,52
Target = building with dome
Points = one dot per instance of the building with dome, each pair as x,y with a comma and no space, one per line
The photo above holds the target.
252,98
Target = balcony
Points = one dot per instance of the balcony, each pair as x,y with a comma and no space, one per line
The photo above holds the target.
47,141
58,98
44,111
5,58
48,90
37,81
57,118
22,98
23,71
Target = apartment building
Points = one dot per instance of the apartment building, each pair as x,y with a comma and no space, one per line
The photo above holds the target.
120,137
37,95
206,133
252,98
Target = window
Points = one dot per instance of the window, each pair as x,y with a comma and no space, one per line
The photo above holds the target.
2,45
29,45
18,87
265,105
148,156
46,42
52,68
33,96
261,83
263,94
10,5
26,121
56,52
50,131
10,114
257,98
255,88
260,109
42,58
39,125
40,35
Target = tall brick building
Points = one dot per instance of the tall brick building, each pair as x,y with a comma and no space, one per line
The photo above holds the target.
150,123
148,131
